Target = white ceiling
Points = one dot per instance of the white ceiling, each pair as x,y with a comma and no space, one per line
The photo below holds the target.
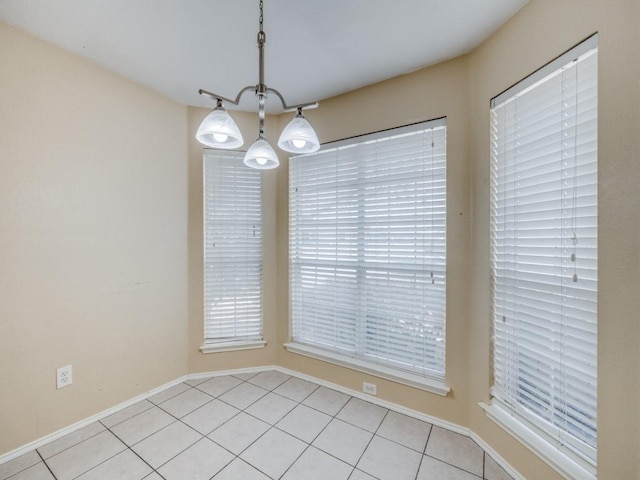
315,49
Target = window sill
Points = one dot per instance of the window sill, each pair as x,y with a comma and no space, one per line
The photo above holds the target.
562,460
232,346
424,383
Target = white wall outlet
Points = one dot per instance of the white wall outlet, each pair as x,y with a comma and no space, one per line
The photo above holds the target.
370,388
64,377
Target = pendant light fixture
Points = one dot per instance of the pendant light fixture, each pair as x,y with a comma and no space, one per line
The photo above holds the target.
218,130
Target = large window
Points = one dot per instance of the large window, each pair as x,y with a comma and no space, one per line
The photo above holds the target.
367,252
232,252
544,259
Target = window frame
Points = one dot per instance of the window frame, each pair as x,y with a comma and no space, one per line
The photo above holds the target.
419,380
234,159
570,457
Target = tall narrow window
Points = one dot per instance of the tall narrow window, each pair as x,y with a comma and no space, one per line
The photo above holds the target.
367,252
232,252
544,258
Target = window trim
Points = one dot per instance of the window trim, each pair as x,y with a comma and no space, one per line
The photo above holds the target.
428,384
232,346
561,459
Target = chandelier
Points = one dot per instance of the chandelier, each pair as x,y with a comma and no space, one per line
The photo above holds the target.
219,130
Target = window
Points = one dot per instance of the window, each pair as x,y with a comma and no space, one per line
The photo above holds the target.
232,253
544,258
367,253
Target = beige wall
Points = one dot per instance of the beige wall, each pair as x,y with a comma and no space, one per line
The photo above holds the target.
82,218
431,93
93,221
540,32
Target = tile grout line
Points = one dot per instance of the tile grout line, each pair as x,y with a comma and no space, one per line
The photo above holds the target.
243,409
238,457
153,405
371,439
451,464
101,421
135,453
28,467
159,430
376,434
206,436
106,459
45,464
274,426
231,418
271,426
424,452
309,444
176,419
373,434
127,447
217,396
166,426
172,396
484,464
143,438
287,433
70,446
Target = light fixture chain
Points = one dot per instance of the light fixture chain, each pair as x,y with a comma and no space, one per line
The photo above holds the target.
261,15
261,88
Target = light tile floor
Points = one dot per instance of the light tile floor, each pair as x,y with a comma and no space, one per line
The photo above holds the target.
256,427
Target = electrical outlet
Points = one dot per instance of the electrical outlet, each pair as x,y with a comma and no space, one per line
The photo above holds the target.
64,377
370,388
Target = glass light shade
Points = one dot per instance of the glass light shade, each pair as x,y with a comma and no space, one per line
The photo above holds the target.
218,130
261,156
299,137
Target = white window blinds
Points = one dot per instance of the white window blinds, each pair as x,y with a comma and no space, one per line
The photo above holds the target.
544,251
367,248
232,249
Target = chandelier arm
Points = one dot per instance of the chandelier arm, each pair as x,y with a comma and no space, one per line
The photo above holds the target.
297,137
292,108
215,96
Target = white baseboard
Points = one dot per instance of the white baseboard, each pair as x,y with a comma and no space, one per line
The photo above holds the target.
377,401
83,423
236,371
411,413
493,454
195,376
